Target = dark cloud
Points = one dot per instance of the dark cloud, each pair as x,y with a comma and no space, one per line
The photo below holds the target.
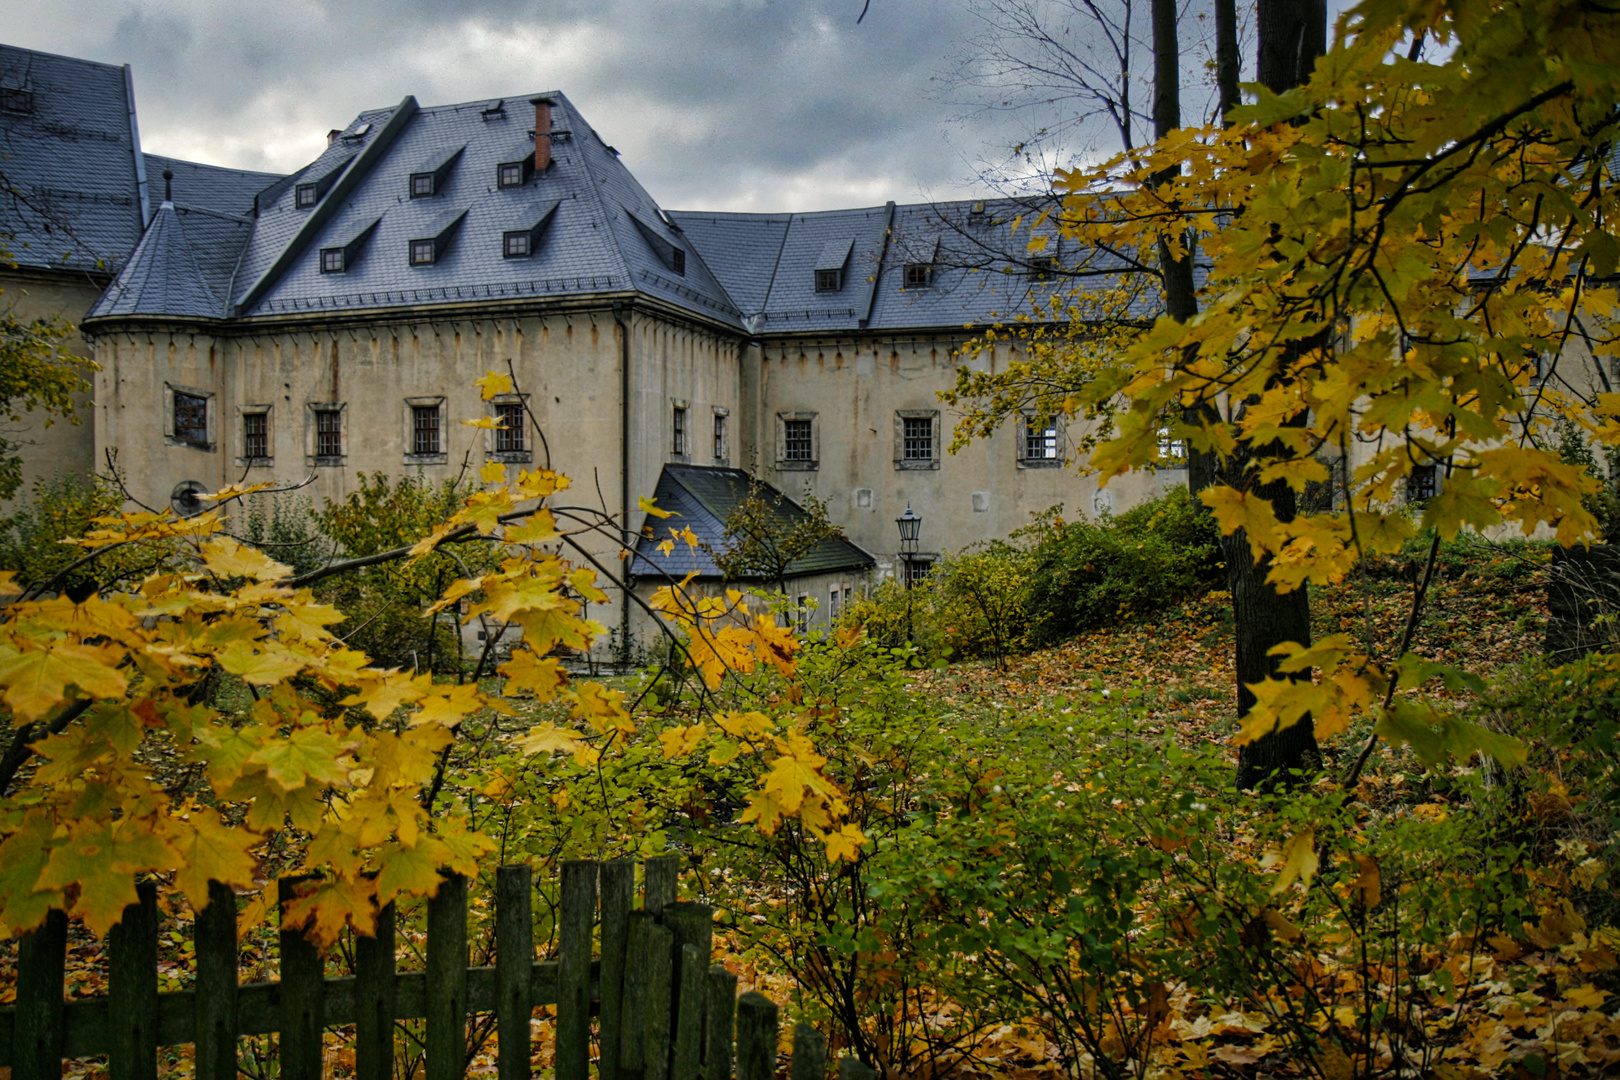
743,104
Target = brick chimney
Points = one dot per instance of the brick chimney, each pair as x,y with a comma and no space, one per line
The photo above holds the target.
542,133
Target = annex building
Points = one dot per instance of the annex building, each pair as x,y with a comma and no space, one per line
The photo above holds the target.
331,322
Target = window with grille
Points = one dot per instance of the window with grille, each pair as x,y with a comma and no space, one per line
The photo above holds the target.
425,429
256,435
1040,441
917,571
512,174
329,433
679,446
421,184
919,438
1172,451
422,252
509,437
331,260
719,437
829,280
191,418
796,442
919,275
677,261
307,195
517,245
1423,484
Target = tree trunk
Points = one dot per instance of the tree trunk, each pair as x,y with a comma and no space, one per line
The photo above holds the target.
1292,35
1226,56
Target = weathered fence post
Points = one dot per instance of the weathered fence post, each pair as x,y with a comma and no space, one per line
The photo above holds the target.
447,980
302,1005
215,935
663,871
756,1037
132,989
618,887
37,1034
374,1000
692,925
720,1020
853,1068
644,1046
514,965
809,1053
574,970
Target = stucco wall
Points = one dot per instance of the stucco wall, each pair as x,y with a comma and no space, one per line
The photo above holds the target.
63,447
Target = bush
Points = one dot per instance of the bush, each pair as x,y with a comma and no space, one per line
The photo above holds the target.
62,507
1086,575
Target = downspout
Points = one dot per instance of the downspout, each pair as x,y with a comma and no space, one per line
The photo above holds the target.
624,470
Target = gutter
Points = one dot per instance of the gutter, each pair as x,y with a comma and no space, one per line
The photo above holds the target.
619,309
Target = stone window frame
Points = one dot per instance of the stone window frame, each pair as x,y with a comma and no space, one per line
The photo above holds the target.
257,461
783,463
902,462
432,401
524,456
312,411
210,417
1027,418
679,442
721,436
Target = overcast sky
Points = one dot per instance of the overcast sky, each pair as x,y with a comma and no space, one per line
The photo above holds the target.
714,104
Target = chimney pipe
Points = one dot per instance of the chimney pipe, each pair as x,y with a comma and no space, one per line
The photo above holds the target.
542,133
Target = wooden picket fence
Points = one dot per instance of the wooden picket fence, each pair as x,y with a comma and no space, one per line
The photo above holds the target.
663,1013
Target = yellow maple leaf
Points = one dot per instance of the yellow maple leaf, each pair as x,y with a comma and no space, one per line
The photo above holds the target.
493,472
548,738
845,844
210,849
260,663
493,384
228,558
36,680
681,741
1297,859
647,506
526,671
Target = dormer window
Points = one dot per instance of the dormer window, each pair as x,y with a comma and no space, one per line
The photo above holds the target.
340,258
496,111
515,172
677,261
1042,267
521,242
670,255
16,99
831,262
310,192
432,242
429,177
919,275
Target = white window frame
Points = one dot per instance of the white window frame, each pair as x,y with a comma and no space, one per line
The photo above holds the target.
901,461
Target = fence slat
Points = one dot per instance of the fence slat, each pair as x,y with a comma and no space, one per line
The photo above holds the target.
132,989
374,994
300,1001
655,1030
215,1036
719,1022
617,882
686,1054
578,904
692,924
447,980
646,1006
659,887
40,1028
756,1037
809,1053
514,966
853,1068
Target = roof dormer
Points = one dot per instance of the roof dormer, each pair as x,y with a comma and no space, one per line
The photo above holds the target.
831,264
431,242
516,169
310,192
668,253
429,177
16,99
345,256
523,239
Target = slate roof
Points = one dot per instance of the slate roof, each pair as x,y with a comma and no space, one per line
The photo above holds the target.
207,187
70,167
591,245
182,266
701,498
983,271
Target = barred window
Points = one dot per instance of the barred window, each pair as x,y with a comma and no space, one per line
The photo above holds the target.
1423,484
917,571
425,429
191,418
797,439
509,437
328,433
1040,441
256,435
919,438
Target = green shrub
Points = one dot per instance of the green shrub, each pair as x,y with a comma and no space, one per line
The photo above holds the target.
61,507
1086,575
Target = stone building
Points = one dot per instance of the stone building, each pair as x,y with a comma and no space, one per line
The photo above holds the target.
252,327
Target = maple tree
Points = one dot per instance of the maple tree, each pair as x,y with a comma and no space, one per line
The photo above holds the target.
37,375
339,757
1409,257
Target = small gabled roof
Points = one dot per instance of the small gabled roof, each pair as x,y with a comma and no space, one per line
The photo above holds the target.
702,498
835,254
71,167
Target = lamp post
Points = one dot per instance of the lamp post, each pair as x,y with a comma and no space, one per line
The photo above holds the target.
910,525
